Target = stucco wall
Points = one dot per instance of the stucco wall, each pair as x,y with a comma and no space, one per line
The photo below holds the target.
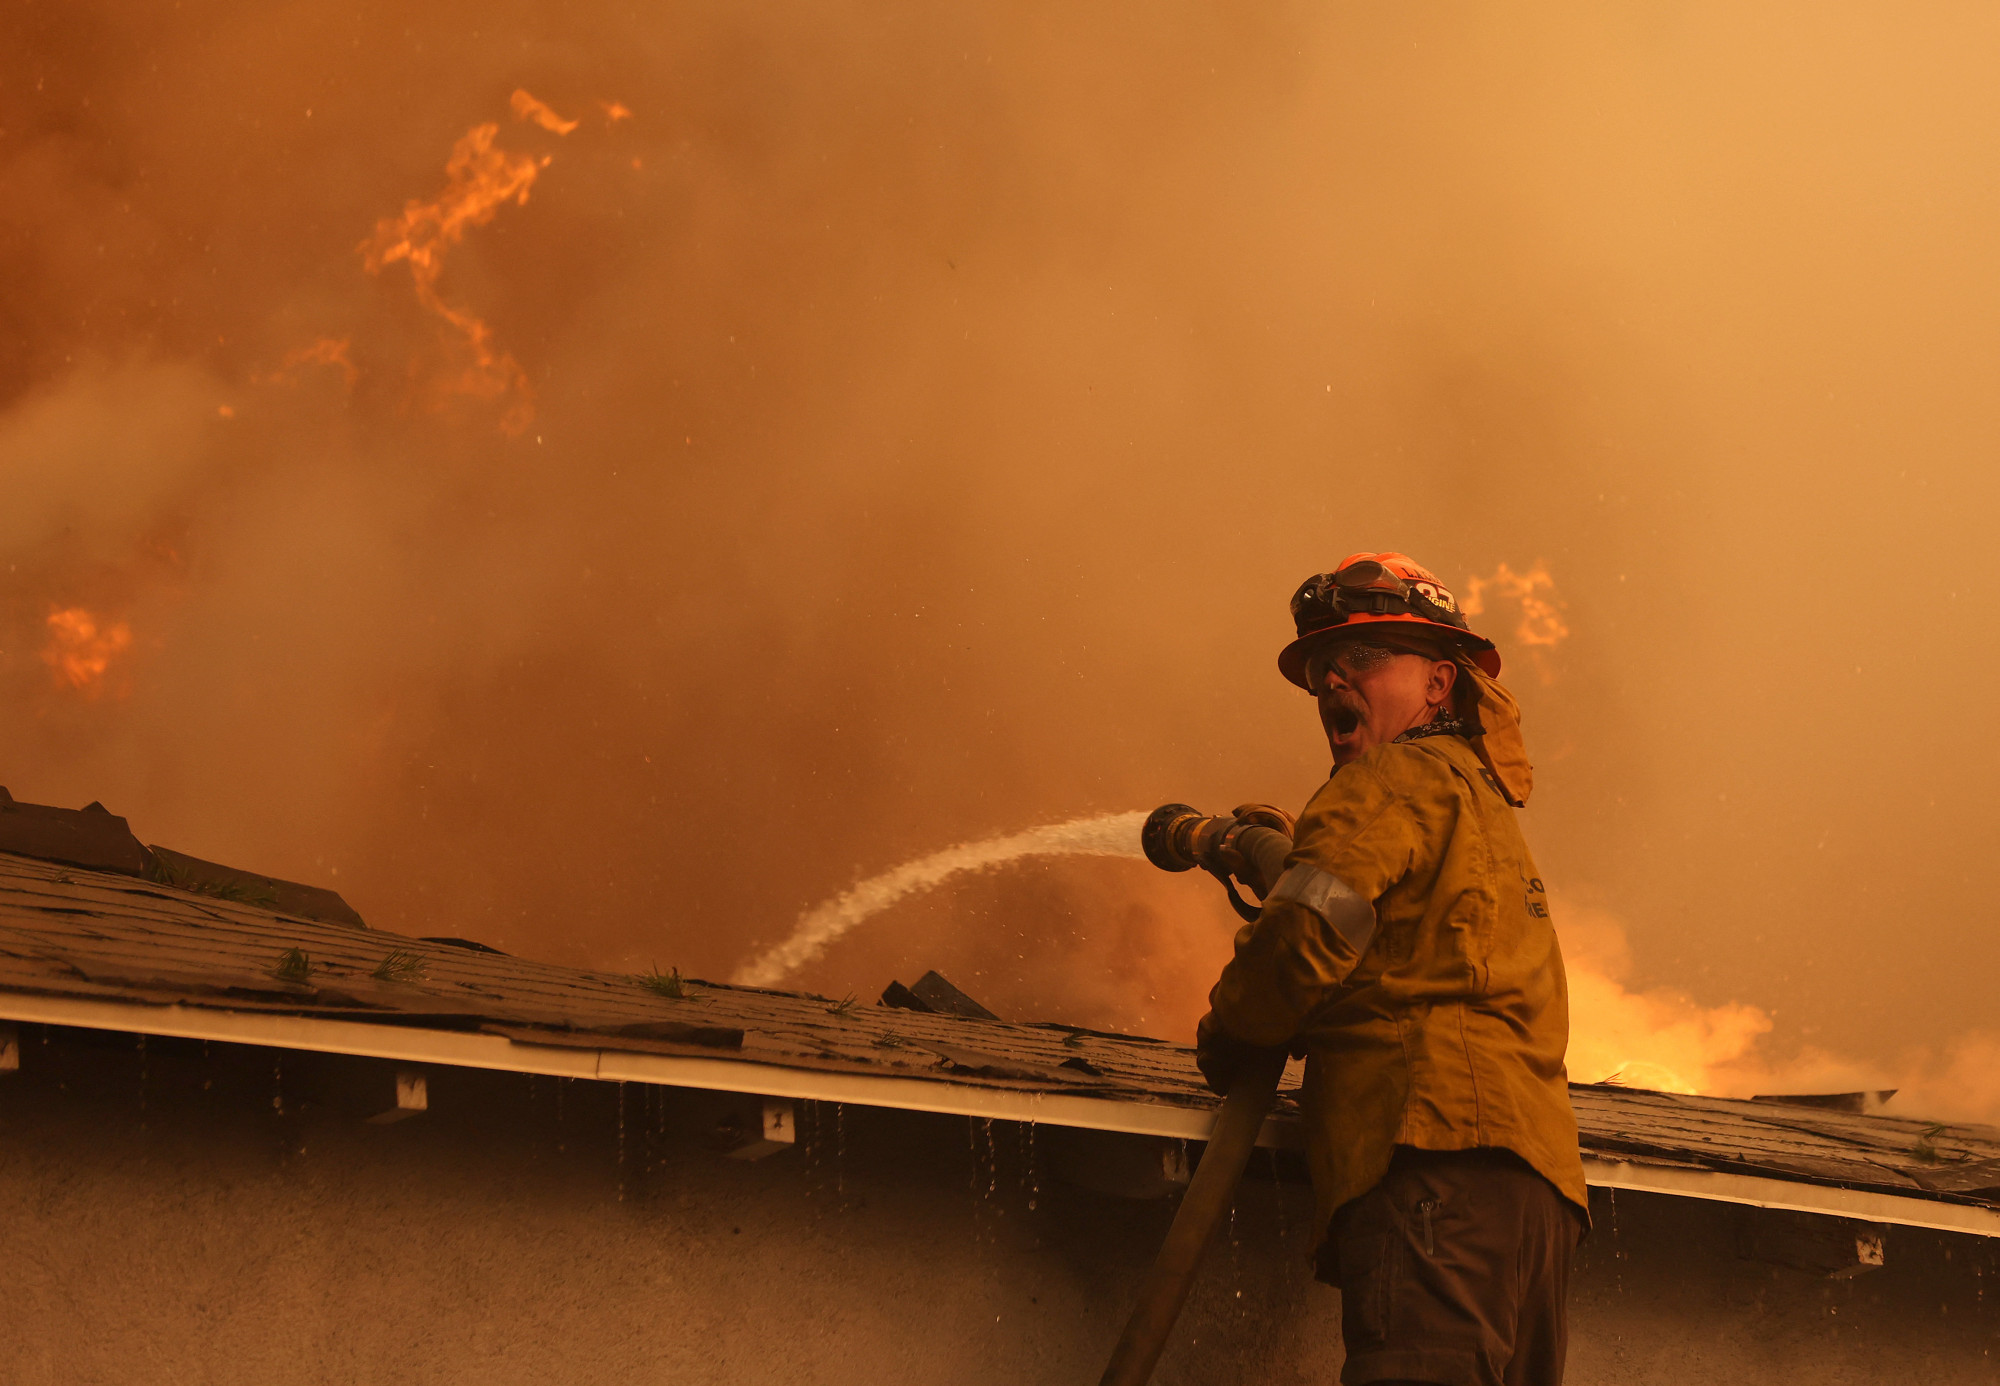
175,1214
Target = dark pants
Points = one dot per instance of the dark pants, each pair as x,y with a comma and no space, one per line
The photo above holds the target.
1454,1270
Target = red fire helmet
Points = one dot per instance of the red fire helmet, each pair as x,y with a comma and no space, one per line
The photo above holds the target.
1389,589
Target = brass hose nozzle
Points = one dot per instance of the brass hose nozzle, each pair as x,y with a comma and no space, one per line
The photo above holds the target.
1178,837
1170,836
1247,845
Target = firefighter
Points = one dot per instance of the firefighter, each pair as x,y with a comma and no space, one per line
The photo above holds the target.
1404,948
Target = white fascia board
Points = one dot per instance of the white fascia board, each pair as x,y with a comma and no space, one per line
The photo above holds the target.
412,1044
1761,1191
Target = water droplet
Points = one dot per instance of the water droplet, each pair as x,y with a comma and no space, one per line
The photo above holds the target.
992,1162
620,1090
1617,1252
839,1155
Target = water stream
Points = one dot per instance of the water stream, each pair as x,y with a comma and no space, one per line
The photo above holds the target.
1106,835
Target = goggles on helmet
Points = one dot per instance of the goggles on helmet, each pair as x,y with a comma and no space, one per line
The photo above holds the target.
1368,588
1390,597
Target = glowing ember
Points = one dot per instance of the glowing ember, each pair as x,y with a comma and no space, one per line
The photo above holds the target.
528,108
80,650
479,179
1541,610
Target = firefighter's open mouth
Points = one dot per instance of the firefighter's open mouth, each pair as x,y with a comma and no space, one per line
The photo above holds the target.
1345,720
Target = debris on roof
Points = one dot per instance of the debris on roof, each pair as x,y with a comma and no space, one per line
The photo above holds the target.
97,839
226,882
464,943
933,995
1832,1101
91,837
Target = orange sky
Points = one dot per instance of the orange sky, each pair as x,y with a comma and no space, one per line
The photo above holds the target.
932,411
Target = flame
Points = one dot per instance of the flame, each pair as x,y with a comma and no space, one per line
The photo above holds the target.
80,650
479,180
1664,1039
327,351
1655,1038
1660,1038
528,108
1541,615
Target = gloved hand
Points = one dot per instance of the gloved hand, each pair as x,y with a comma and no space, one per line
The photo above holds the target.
1251,844
1222,1058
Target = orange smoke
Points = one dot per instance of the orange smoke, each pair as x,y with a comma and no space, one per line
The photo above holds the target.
1960,1082
479,180
79,650
1541,610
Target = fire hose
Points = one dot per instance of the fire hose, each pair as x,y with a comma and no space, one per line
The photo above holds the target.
1251,844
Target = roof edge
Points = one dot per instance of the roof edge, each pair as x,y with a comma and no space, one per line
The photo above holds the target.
461,1049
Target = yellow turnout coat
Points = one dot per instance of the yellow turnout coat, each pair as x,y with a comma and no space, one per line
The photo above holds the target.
1448,1031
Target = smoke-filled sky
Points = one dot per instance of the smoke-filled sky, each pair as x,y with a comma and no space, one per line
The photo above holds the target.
922,417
